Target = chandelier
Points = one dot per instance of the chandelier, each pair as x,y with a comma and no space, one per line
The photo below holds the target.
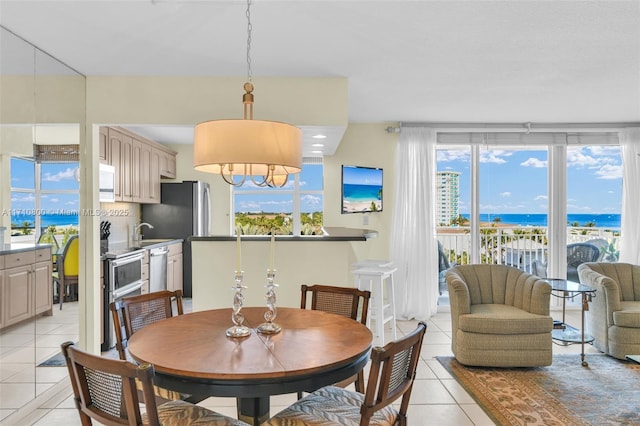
265,151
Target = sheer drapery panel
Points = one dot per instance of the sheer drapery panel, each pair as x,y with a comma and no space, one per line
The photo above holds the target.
414,248
630,226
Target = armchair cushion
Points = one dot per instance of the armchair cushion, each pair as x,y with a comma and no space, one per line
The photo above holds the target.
502,319
628,315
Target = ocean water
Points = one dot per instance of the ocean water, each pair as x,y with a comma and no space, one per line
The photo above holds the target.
609,221
359,193
47,219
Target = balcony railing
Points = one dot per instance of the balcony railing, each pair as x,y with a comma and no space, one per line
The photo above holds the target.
520,246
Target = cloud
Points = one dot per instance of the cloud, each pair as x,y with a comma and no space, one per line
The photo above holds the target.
54,200
64,175
275,203
609,171
608,150
500,208
505,194
577,158
534,162
23,198
311,199
491,157
580,208
541,197
446,155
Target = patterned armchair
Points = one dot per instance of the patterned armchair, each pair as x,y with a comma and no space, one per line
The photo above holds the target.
500,316
613,318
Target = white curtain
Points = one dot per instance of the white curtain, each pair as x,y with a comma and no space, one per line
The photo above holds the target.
630,228
414,248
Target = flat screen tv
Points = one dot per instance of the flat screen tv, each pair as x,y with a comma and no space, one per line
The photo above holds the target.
361,189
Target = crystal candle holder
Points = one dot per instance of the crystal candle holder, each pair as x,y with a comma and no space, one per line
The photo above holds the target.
270,327
238,329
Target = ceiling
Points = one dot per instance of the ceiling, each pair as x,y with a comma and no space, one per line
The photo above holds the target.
563,61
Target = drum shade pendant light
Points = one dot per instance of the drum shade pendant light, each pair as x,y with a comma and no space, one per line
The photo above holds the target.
266,151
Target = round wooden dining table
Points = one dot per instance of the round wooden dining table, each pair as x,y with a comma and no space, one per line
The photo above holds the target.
192,354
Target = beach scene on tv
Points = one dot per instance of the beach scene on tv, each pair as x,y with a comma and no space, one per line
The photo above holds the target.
361,189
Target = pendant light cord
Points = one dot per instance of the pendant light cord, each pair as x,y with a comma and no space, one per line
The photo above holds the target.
249,28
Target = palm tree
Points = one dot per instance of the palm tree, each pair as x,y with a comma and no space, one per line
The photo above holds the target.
26,228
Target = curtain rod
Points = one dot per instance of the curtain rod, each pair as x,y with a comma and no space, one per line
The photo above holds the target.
518,127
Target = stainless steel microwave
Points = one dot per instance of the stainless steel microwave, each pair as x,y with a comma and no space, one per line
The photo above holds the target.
107,183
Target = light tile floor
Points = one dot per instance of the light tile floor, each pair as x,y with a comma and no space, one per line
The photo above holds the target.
437,398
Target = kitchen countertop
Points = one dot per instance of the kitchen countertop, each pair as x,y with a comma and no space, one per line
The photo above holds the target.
331,234
20,247
156,242
119,249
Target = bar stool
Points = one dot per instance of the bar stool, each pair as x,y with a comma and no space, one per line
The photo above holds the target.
377,277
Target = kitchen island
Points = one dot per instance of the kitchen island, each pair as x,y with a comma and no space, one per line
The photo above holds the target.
305,259
25,282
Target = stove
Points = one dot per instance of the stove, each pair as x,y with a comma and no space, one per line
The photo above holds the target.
116,254
122,278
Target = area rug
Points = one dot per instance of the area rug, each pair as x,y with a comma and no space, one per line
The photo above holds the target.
55,361
607,392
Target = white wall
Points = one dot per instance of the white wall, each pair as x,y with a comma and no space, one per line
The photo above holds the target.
296,263
363,145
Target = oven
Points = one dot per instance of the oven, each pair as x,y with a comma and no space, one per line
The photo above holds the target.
122,278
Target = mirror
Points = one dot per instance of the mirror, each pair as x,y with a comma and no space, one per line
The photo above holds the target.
42,104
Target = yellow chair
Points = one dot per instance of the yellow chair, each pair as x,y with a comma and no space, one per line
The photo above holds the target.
68,267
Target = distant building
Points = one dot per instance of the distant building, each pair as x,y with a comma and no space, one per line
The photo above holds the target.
447,197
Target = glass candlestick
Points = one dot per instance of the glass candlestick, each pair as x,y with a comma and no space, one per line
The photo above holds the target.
270,327
238,329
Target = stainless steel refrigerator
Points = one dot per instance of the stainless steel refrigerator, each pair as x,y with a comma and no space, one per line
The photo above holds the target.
184,211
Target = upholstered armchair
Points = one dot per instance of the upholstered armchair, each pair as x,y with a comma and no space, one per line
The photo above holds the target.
613,318
500,316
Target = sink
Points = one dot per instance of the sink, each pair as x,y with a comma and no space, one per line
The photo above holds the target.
151,241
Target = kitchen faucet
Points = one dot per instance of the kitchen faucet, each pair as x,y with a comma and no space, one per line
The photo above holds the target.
137,236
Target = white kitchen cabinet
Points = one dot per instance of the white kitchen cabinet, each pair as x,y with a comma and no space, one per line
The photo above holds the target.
25,285
139,164
174,267
145,272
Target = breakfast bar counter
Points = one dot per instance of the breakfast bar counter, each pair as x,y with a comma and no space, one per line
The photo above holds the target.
313,259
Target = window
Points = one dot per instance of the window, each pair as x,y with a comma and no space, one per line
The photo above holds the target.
510,176
43,195
295,209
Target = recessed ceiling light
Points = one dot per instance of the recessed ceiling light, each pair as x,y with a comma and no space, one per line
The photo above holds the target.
316,152
317,145
319,136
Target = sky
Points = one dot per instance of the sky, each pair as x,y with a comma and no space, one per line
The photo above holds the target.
55,176
513,181
251,198
352,175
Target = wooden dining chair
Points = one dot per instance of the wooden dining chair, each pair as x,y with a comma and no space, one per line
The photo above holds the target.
105,390
346,301
68,268
47,237
130,314
393,370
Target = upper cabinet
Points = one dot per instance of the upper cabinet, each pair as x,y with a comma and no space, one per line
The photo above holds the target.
139,164
167,164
